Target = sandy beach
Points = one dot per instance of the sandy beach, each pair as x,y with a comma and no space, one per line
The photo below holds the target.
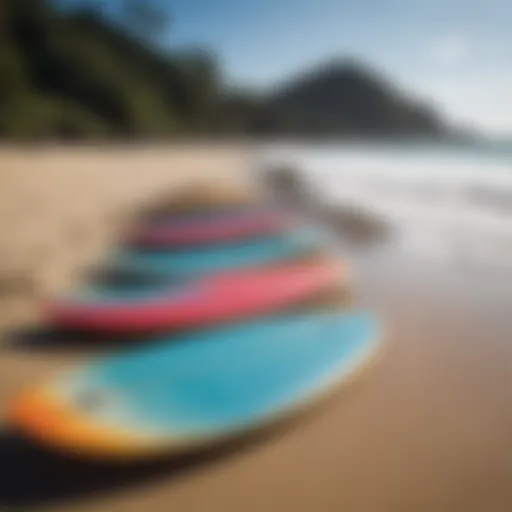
426,429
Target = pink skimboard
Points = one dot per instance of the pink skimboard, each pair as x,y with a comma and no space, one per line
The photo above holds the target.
197,301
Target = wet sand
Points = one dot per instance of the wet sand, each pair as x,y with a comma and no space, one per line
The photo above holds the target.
427,428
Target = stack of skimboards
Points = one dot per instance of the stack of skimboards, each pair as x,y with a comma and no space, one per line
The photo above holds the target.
239,324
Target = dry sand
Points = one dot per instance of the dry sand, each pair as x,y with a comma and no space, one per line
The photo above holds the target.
427,429
60,208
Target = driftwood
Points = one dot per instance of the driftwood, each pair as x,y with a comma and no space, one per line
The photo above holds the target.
288,185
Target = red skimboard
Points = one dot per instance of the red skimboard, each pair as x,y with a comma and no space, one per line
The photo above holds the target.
200,301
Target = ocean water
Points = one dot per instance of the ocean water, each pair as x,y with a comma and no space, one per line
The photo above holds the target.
447,203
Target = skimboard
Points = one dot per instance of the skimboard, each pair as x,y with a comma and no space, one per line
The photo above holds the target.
196,301
209,199
207,229
215,212
178,395
260,251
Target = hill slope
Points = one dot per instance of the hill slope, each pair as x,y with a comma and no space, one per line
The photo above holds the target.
345,98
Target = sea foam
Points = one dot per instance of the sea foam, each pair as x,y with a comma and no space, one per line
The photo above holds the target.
444,202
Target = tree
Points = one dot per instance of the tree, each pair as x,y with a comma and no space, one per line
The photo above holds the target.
13,79
146,18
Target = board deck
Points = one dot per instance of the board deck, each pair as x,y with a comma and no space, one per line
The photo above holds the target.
178,395
209,259
200,301
207,229
213,196
191,211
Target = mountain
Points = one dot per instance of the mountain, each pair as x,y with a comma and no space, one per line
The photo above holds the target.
346,98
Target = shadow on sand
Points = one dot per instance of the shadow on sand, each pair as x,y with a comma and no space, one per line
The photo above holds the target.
45,339
51,338
33,477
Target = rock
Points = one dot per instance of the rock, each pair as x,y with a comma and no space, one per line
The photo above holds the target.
287,184
355,224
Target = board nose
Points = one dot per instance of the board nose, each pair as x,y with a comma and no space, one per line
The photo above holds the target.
35,412
43,418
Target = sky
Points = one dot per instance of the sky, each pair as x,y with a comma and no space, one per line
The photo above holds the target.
455,53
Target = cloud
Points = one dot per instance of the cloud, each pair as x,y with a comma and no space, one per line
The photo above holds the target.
451,49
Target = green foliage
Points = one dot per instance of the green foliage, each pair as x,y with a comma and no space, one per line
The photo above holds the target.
31,117
71,121
76,75
12,71
26,117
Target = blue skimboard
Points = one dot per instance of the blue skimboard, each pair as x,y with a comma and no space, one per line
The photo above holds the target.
173,397
218,258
